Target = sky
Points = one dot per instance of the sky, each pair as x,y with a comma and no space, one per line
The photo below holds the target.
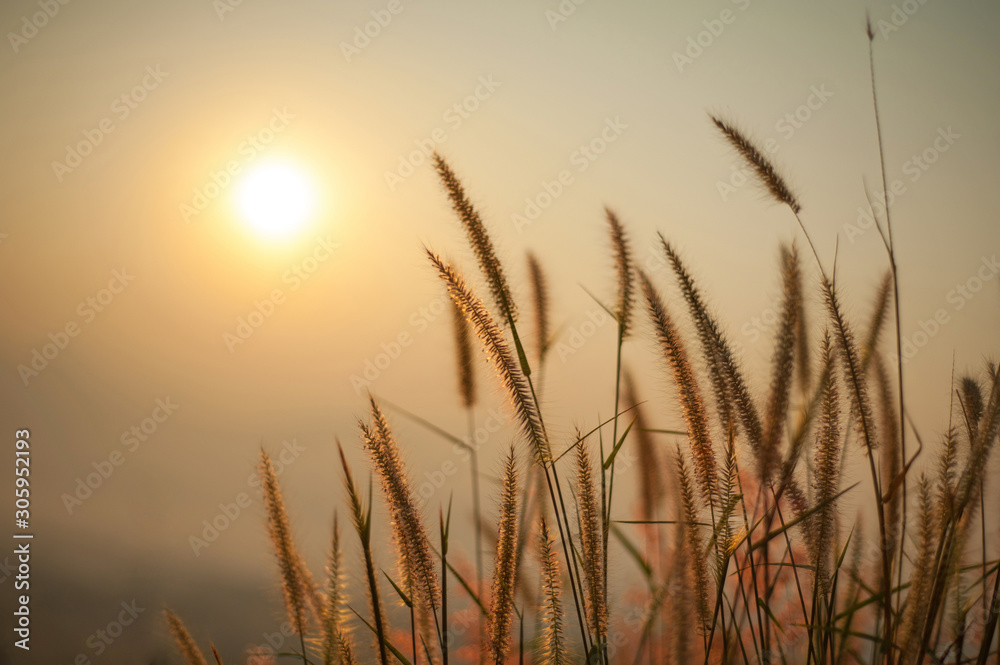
124,256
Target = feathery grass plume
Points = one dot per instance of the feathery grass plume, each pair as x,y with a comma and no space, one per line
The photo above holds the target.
697,564
803,370
826,479
782,364
921,582
729,498
692,405
623,264
346,650
552,646
505,566
972,404
416,561
336,645
463,349
762,166
289,562
880,312
854,376
982,444
947,465
500,356
651,487
182,638
540,297
796,496
592,553
971,398
479,239
363,527
728,386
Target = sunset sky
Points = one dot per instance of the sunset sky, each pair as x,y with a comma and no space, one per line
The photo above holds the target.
131,130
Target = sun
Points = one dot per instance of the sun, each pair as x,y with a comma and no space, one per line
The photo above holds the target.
276,199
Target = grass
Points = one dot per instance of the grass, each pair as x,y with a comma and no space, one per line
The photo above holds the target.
745,555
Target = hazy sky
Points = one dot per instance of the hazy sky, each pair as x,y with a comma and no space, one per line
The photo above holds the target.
122,118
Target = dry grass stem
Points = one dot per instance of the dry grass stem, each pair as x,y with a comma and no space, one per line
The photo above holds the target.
768,176
294,582
479,240
182,638
623,265
417,567
499,354
505,568
692,405
540,298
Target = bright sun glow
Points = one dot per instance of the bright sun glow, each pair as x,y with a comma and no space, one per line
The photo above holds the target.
276,199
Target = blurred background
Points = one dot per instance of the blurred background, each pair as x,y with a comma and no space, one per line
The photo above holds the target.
155,337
